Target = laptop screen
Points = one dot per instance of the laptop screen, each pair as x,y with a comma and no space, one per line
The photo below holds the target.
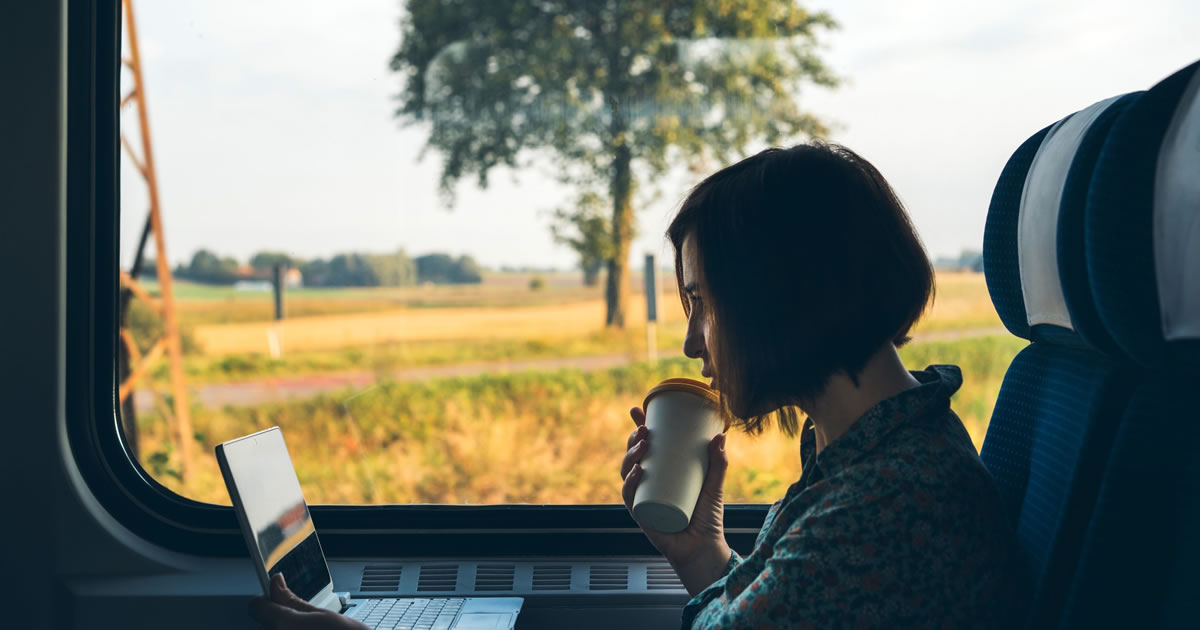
284,538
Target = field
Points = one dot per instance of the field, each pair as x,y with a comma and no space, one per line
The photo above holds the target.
384,330
202,305
522,436
324,332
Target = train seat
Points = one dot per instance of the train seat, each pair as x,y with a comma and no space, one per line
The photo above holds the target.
1063,395
1139,557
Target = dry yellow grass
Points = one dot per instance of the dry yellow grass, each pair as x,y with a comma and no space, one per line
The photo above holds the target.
425,324
961,303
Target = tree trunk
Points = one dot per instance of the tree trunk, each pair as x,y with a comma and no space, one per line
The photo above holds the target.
617,288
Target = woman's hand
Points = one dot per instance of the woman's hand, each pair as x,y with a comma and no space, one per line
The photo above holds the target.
699,553
286,611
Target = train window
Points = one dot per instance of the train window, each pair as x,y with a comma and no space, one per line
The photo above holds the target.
425,238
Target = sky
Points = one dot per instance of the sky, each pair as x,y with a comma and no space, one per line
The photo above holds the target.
273,125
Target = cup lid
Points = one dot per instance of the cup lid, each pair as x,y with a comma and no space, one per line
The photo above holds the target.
689,385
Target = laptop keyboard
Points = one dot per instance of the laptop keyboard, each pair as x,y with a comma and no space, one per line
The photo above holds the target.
407,614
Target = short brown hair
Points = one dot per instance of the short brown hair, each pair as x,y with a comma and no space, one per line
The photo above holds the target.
808,264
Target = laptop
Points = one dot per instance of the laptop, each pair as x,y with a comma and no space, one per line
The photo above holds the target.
281,538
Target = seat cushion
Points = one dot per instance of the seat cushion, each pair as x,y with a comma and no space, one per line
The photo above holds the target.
1050,433
1138,563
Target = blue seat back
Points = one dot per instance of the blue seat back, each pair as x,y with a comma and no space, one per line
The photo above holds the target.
1140,553
1062,396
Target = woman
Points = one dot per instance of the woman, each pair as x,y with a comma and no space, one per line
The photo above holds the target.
801,274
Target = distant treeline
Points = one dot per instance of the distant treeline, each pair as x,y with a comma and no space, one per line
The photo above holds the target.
968,260
342,270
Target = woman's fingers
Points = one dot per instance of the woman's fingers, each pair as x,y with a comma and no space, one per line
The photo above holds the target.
281,594
629,488
718,462
633,456
637,446
636,435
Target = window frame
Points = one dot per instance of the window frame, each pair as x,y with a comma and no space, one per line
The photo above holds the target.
165,518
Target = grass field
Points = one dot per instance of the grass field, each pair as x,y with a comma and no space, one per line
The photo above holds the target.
961,303
535,437
523,437
467,323
203,305
386,358
500,320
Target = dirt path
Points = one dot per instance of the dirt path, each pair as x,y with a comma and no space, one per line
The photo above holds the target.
282,389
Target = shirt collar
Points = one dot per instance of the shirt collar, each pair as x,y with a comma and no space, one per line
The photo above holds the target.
937,384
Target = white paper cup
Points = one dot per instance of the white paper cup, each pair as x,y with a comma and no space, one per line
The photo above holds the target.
682,417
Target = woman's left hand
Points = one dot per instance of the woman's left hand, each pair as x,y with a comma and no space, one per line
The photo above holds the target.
286,611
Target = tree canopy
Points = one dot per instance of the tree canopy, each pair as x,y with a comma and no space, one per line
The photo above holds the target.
584,227
267,260
612,91
445,269
209,268
360,270
349,269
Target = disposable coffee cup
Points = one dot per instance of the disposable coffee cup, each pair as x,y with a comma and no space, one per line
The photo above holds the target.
682,417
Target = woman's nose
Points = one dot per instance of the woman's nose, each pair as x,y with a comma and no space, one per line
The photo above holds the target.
693,344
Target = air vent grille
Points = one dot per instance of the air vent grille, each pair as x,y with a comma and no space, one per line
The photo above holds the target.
494,577
380,578
661,577
608,577
548,577
438,577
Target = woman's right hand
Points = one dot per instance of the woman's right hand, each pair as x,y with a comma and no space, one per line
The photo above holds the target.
284,610
699,553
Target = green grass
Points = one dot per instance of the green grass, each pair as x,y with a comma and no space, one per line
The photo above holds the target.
532,437
983,361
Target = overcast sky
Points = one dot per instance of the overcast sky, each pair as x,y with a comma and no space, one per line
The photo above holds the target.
273,120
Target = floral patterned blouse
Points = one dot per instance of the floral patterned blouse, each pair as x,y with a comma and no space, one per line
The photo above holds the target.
895,524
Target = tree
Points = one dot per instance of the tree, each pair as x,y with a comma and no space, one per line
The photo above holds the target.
445,269
971,259
467,271
343,270
392,270
209,268
265,261
149,269
360,270
585,229
612,90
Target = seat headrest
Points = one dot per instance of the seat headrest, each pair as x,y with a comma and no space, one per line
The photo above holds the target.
1033,251
1142,225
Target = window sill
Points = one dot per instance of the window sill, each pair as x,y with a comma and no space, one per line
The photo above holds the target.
215,595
